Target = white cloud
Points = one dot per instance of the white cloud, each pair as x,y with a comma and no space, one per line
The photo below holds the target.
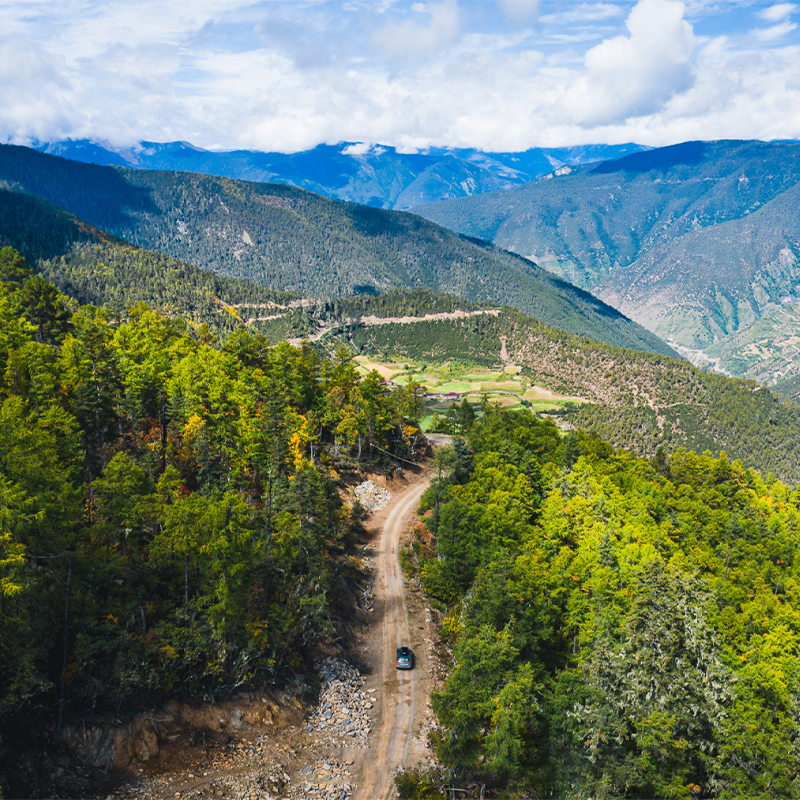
92,25
583,12
409,39
289,74
634,75
357,149
777,12
774,32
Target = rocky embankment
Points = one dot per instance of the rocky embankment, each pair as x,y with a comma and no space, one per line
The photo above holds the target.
343,715
246,770
328,780
297,762
342,718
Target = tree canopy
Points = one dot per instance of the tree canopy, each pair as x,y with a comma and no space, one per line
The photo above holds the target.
619,627
170,513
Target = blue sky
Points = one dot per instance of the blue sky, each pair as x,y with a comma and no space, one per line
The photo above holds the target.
492,74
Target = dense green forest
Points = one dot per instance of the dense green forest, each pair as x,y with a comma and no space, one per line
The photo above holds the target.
288,239
620,628
40,230
170,513
119,276
635,400
95,268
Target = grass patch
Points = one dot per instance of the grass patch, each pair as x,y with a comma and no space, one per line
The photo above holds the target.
425,423
454,386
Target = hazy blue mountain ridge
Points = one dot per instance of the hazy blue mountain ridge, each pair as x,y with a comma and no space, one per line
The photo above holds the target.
378,176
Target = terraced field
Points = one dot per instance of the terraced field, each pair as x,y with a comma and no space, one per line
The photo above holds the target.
510,387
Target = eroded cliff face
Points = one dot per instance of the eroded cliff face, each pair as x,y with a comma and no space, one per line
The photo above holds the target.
95,756
115,744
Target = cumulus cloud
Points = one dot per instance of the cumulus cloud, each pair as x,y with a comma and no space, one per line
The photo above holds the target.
635,74
286,75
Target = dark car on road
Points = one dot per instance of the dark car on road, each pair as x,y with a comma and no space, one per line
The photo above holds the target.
405,658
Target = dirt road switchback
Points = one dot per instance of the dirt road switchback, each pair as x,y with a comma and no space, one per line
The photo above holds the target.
402,695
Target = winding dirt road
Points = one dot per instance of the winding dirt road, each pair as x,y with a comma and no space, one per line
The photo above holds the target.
402,695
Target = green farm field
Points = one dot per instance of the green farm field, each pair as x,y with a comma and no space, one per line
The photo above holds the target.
508,387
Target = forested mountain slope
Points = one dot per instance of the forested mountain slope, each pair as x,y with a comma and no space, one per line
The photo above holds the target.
288,239
620,628
40,230
696,241
378,175
96,268
639,401
636,400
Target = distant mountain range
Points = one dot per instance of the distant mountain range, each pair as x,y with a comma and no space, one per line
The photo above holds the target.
288,239
376,175
699,242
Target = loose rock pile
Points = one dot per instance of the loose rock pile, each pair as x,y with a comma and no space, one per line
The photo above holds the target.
256,785
329,780
372,497
343,715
